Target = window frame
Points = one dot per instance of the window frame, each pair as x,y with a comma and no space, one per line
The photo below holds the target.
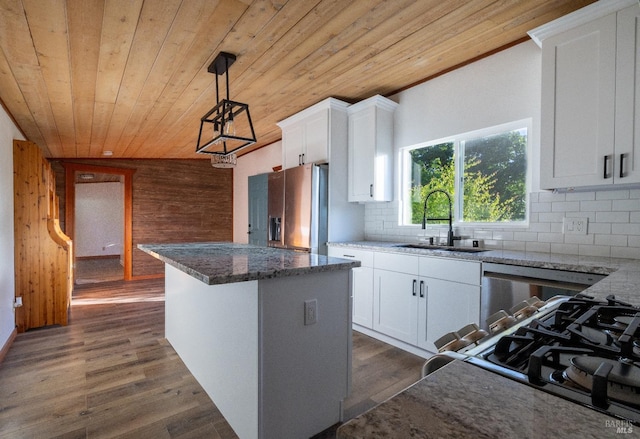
404,214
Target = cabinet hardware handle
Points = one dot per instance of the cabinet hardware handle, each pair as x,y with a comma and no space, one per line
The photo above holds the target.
302,159
622,165
371,190
606,161
348,256
414,286
299,159
421,288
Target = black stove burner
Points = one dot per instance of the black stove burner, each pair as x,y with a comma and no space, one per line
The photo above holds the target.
585,350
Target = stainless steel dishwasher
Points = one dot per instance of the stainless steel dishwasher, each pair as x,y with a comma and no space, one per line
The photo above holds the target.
504,286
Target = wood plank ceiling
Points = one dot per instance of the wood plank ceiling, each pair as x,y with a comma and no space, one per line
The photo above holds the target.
81,77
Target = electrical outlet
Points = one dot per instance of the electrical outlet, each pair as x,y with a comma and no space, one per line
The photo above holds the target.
310,312
575,226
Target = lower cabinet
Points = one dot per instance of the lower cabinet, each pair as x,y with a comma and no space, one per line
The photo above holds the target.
362,283
363,296
446,307
418,299
395,305
412,299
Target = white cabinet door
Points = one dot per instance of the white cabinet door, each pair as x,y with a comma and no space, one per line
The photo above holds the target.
578,92
362,150
363,296
370,150
395,303
316,138
627,134
306,140
362,283
446,306
292,145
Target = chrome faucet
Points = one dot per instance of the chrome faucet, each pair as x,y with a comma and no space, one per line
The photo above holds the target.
450,237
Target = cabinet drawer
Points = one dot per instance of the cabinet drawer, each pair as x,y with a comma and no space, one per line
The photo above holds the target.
466,272
396,262
365,257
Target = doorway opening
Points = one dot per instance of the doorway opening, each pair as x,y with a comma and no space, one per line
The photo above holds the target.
105,254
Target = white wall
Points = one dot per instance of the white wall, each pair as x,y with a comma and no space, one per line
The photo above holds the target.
502,88
99,219
257,162
8,132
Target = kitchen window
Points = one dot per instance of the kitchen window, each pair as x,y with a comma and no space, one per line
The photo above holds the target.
485,172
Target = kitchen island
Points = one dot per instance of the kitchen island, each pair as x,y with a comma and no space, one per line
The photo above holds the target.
266,332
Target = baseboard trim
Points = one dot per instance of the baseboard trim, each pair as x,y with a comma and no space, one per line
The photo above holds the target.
7,345
148,276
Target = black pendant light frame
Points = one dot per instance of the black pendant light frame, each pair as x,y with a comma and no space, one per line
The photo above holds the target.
225,110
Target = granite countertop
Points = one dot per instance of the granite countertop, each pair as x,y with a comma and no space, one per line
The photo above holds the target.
623,275
219,263
460,400
464,401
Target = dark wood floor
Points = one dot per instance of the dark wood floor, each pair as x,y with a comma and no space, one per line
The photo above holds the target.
100,269
111,374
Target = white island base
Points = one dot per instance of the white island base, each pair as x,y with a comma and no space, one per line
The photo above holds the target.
246,343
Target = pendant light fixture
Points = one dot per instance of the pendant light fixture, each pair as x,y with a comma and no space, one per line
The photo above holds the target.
227,127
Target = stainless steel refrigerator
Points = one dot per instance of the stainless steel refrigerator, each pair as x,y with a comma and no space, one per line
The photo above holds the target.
298,208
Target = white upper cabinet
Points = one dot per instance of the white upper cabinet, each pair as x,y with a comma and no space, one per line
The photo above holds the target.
371,150
627,129
590,101
307,136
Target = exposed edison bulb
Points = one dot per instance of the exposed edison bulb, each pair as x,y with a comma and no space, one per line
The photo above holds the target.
229,127
216,132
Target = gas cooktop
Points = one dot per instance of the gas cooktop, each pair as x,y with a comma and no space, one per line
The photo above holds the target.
581,349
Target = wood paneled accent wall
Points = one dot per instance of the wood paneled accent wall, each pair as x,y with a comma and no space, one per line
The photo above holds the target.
43,253
173,201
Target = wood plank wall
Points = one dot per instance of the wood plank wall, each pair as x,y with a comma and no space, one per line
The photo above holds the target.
173,201
43,253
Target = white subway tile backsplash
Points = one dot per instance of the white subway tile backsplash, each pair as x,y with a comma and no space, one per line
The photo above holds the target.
551,217
565,249
525,236
596,206
578,239
614,225
612,195
540,227
612,217
599,228
580,196
626,205
617,240
595,250
550,196
502,235
543,247
625,252
625,229
550,237
513,245
540,207
565,206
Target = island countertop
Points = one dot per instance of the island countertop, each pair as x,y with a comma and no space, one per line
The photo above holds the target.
224,262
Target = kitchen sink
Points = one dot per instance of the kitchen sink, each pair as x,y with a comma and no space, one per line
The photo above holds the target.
444,248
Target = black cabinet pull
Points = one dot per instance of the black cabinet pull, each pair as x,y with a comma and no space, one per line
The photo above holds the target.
414,286
421,288
622,165
371,190
606,162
